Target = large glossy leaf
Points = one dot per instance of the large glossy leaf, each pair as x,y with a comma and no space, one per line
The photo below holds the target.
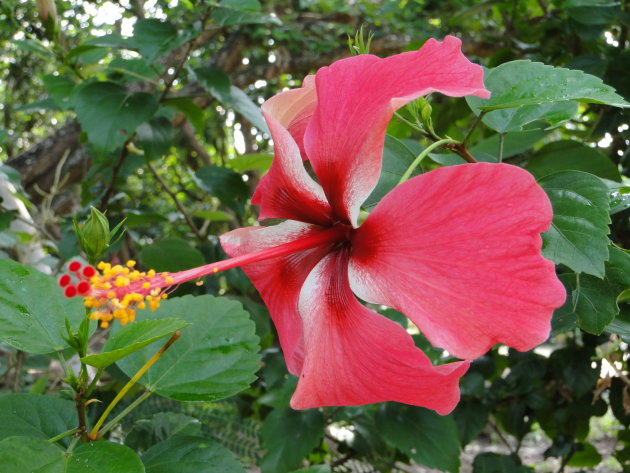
185,454
31,455
568,155
521,83
171,254
427,437
131,338
514,119
156,137
109,114
33,309
35,415
215,357
104,457
289,436
578,234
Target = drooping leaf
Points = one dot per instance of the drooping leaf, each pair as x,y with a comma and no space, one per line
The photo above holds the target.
289,436
109,114
153,37
224,183
566,155
171,255
60,89
133,337
241,12
521,83
35,415
156,137
214,358
104,457
422,434
578,237
187,454
33,309
31,455
194,114
396,160
217,83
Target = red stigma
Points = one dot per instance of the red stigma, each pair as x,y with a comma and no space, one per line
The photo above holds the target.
89,271
84,288
70,291
64,280
74,266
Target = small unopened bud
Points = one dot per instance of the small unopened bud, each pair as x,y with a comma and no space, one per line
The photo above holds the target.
95,236
47,10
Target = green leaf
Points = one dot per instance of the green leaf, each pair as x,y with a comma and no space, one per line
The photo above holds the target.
33,46
224,183
213,215
578,234
594,300
60,90
153,38
427,437
566,155
471,417
185,454
171,255
214,358
314,469
251,162
131,70
104,457
514,119
33,309
588,457
495,463
217,83
621,324
289,436
513,143
194,114
109,114
520,83
161,426
35,415
619,197
131,338
396,160
241,12
156,137
31,455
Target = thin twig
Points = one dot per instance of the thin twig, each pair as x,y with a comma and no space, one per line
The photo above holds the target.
17,376
178,204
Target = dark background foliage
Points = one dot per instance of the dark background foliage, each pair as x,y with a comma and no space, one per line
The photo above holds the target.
149,111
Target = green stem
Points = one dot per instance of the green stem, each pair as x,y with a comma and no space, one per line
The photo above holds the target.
64,434
97,376
474,125
501,141
73,443
422,155
94,433
107,427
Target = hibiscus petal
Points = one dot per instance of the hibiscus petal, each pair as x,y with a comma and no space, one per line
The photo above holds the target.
457,250
354,356
278,280
287,191
356,99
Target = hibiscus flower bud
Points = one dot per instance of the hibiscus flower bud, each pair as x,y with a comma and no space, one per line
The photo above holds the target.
95,236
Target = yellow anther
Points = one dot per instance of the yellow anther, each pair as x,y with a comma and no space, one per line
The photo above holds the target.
169,279
104,324
146,285
142,305
215,270
111,294
131,263
121,281
151,273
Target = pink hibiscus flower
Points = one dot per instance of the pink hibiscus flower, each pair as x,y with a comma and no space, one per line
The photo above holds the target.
457,250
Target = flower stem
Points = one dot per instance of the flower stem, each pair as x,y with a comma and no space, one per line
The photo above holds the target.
64,434
94,434
421,156
107,427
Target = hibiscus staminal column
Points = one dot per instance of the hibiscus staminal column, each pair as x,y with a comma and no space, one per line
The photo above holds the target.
117,291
